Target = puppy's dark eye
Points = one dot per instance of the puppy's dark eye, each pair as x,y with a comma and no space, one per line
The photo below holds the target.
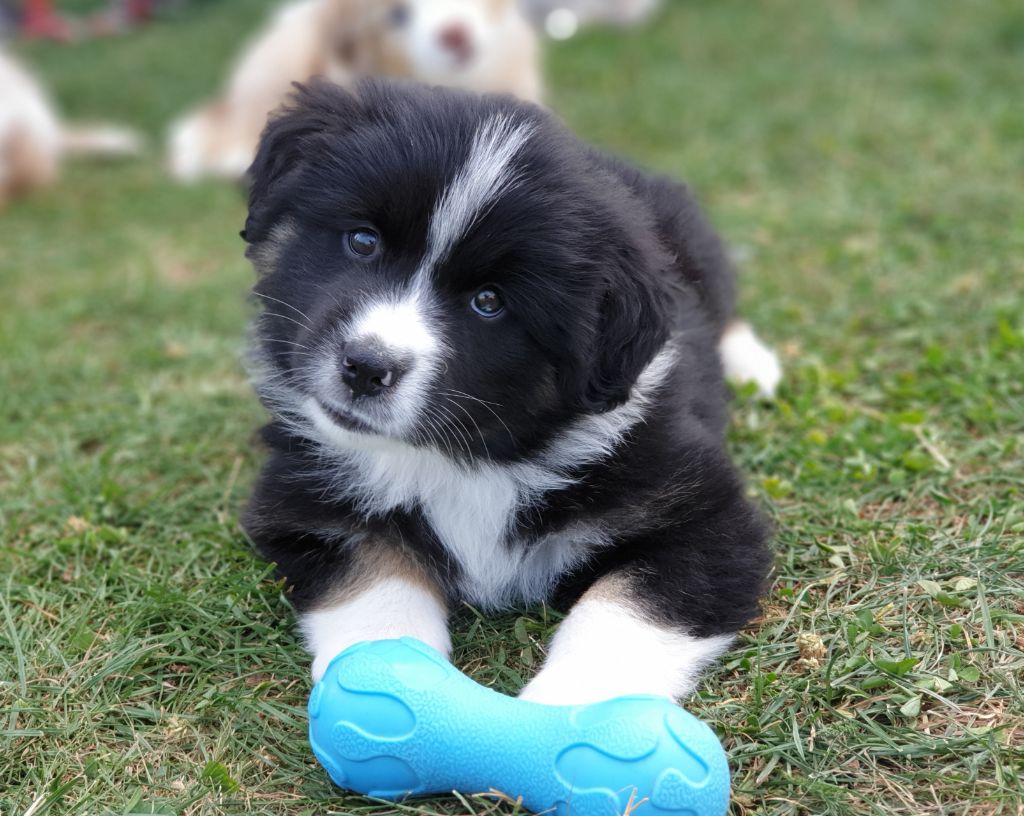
363,242
399,15
487,303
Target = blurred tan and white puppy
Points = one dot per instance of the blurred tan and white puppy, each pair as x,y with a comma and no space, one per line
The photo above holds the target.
483,45
33,140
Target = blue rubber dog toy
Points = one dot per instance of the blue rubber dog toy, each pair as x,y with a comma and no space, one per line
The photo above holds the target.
393,718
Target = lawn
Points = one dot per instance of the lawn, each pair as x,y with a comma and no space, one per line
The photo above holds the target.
866,163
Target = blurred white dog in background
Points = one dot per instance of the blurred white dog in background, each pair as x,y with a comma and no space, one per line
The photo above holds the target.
33,140
483,45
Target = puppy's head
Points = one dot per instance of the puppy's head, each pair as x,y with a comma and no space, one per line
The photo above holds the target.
436,41
444,269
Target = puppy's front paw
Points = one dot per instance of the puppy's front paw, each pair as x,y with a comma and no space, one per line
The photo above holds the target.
557,686
320,663
550,690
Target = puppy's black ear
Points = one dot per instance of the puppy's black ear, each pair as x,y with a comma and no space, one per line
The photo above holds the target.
314,111
631,329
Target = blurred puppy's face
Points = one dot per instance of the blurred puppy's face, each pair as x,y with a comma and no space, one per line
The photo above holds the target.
433,272
445,37
435,41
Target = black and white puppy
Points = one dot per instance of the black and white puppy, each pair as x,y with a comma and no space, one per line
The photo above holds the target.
492,358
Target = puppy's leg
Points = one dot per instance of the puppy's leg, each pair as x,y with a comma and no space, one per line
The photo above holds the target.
384,595
667,601
610,645
746,358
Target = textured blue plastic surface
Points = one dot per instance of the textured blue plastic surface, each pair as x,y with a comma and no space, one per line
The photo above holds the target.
393,718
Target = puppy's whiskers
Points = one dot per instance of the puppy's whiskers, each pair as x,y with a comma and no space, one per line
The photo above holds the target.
458,434
451,392
329,294
480,433
460,431
433,436
469,396
285,317
310,349
438,423
309,322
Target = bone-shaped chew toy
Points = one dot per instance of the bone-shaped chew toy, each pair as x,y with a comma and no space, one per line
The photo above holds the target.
393,718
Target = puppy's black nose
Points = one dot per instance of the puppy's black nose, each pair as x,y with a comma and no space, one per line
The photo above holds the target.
368,370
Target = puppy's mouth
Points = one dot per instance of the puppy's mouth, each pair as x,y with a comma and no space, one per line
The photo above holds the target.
346,419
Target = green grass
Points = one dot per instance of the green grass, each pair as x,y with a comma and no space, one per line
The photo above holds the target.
865,160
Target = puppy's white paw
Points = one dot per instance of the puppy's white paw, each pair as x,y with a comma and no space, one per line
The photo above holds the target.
540,690
321,661
605,649
559,688
747,359
391,607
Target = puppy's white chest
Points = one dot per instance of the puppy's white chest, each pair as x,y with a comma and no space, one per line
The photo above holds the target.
472,512
471,517
475,522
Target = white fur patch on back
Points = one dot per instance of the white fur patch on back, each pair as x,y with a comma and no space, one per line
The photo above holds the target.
746,358
603,649
390,608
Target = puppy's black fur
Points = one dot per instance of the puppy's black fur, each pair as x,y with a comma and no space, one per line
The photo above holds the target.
601,268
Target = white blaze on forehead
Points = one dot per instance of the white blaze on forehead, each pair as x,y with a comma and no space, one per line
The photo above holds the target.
399,323
487,173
